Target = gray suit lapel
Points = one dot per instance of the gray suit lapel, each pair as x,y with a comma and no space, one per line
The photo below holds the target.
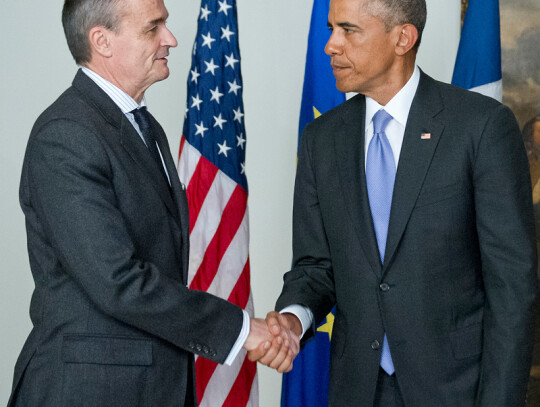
349,147
129,137
414,161
180,198
136,148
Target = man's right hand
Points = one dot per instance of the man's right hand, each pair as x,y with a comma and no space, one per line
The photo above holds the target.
272,342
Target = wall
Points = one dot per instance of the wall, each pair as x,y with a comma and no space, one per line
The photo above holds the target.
36,67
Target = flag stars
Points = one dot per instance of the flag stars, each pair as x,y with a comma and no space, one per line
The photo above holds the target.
234,87
216,94
205,13
226,33
243,168
207,40
241,141
223,7
231,61
219,121
238,115
223,148
196,102
211,67
200,129
195,75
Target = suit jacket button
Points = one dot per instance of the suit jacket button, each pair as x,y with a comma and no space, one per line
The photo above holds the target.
198,347
205,349
375,345
384,287
191,345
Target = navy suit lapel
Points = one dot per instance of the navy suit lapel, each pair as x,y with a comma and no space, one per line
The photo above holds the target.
415,159
349,145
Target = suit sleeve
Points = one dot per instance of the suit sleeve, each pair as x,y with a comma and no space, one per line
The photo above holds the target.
505,225
71,189
310,282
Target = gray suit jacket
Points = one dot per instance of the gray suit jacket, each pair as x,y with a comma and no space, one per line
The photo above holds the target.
114,323
457,288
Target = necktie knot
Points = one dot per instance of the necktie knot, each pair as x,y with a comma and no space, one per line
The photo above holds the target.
380,121
142,117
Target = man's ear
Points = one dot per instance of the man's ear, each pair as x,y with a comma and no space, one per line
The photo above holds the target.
407,38
100,41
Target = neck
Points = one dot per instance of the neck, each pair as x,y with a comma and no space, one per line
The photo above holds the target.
103,70
399,79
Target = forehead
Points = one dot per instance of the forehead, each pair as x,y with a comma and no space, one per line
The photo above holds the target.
349,10
348,6
142,11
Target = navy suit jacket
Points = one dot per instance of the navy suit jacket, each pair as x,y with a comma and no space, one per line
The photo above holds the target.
456,291
108,241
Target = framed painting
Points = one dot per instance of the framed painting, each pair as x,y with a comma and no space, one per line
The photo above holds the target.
520,43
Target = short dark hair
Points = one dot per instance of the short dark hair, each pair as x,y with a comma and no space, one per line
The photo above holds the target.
397,12
80,16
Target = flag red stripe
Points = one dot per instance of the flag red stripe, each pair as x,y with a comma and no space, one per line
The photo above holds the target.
198,188
240,294
231,219
204,369
239,394
182,142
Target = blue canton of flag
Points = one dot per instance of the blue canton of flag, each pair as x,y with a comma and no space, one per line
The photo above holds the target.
214,123
478,62
307,384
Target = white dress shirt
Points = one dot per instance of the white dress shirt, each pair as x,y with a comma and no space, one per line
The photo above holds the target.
398,107
126,104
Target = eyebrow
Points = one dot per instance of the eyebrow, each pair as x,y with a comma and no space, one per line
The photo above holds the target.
345,24
157,21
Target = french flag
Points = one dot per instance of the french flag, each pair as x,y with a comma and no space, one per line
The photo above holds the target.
478,62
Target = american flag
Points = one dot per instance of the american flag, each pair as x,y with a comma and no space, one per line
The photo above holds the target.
212,166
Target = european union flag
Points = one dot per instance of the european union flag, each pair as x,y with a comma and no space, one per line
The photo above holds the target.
478,62
307,384
320,93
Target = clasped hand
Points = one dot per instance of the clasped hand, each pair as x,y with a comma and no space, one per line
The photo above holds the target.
274,342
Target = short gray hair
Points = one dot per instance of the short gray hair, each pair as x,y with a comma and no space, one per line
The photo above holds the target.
80,16
397,12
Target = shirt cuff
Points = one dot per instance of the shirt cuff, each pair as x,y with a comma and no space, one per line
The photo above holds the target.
304,314
244,333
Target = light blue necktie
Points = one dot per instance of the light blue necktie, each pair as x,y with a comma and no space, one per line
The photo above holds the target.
380,177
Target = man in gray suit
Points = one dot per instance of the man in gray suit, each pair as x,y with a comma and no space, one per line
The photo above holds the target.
413,216
107,225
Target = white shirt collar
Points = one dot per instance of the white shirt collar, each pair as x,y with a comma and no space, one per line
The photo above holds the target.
400,105
124,102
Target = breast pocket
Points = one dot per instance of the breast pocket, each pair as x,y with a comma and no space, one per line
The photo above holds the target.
105,370
430,196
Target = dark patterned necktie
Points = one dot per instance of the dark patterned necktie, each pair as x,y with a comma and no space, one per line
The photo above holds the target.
142,117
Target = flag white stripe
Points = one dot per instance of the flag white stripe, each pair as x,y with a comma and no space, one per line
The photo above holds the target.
493,89
224,378
222,381
208,220
233,262
188,163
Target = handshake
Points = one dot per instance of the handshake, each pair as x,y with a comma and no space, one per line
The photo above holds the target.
274,342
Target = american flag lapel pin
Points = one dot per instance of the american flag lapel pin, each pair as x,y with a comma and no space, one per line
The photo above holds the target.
425,136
